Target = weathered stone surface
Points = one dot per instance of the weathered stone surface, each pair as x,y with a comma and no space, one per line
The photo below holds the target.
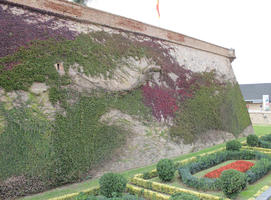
38,99
200,61
38,88
150,143
247,131
127,77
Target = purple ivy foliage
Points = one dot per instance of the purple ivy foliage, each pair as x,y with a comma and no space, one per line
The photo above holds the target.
16,31
164,99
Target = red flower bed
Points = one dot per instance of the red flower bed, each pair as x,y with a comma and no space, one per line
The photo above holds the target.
240,165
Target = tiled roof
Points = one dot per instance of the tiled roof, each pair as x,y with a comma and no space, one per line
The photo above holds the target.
255,92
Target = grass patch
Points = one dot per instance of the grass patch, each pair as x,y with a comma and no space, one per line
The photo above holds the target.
262,130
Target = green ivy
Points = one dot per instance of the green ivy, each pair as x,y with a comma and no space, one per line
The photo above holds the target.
64,150
95,52
80,140
131,103
218,107
25,143
233,110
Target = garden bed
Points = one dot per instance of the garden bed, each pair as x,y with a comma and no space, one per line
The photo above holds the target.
218,160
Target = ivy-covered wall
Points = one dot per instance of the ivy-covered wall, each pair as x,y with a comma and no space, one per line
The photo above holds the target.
51,127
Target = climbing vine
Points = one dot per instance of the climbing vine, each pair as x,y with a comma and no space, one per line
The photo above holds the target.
66,149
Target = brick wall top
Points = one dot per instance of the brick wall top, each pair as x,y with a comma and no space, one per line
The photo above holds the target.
84,14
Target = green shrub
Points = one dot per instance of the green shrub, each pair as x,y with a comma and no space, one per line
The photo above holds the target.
165,169
260,169
146,175
186,171
265,141
111,183
233,182
183,196
233,145
252,140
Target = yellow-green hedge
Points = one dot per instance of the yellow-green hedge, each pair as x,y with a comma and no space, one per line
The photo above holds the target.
167,189
264,150
93,190
148,194
148,186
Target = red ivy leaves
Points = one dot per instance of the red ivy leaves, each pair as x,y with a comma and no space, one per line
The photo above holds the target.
240,165
161,100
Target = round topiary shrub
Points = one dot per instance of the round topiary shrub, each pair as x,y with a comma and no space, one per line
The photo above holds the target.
165,169
183,196
233,145
111,183
252,140
233,182
265,141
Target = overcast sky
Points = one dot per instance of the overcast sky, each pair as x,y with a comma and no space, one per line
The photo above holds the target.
244,25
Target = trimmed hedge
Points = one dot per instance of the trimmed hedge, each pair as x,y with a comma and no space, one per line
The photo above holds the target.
186,172
94,191
182,196
260,169
150,188
148,194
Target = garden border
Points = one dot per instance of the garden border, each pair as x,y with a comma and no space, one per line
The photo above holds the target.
92,190
164,188
159,196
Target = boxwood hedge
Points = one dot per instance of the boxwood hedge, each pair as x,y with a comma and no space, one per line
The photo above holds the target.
255,173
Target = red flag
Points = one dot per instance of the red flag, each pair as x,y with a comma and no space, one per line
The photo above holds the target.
157,8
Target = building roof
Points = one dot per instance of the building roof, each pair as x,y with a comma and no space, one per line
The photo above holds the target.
255,92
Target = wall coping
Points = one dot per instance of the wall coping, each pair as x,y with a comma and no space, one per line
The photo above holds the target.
83,14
